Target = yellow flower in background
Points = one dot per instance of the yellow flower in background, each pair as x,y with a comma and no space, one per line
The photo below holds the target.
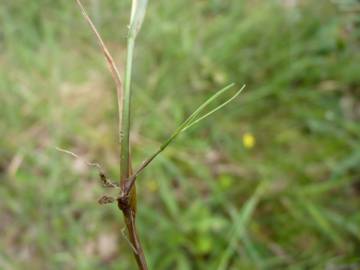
248,140
152,185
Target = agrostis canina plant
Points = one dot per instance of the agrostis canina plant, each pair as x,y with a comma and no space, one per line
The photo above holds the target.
127,198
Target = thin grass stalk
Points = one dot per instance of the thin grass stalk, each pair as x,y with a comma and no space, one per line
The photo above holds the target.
127,201
125,128
112,65
127,204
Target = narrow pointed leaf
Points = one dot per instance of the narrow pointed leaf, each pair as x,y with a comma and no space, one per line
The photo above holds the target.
213,111
191,120
137,16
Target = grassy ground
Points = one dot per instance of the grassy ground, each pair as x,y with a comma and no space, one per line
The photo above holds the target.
291,201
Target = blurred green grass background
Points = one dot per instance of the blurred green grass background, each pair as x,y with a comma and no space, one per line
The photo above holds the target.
291,201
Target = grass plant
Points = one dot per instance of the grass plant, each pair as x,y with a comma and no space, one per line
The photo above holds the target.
127,200
271,182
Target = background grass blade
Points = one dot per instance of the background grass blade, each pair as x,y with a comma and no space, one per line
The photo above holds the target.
240,224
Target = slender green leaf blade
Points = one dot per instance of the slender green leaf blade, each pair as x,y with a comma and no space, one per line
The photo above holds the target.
195,121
